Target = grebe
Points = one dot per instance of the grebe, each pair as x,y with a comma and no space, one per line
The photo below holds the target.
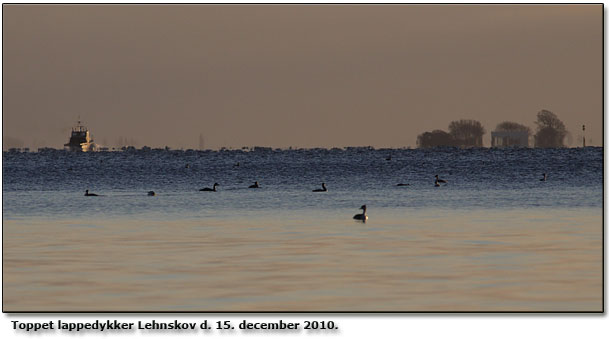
438,180
151,193
544,177
255,185
207,189
87,194
322,189
363,217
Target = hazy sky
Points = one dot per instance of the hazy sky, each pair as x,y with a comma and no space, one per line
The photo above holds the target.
295,75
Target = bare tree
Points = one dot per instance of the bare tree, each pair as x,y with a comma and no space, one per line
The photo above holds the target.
551,131
436,138
467,133
509,126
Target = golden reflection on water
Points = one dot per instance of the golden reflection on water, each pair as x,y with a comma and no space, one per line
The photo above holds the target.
519,260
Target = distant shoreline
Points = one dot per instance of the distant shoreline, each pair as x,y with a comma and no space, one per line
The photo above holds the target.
278,149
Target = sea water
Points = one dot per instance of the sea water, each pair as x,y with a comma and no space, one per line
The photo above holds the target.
493,238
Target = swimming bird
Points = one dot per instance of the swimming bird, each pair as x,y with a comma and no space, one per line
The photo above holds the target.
363,217
237,165
544,177
388,157
438,180
322,189
255,185
403,185
151,193
87,194
207,189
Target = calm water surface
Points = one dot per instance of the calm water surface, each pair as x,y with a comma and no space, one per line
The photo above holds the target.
494,238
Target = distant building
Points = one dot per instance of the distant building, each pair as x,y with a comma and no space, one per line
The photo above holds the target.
510,139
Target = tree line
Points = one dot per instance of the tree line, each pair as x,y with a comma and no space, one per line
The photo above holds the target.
550,132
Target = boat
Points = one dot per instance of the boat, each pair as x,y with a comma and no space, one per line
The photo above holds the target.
80,140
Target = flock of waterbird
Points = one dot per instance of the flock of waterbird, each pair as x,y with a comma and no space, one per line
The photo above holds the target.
362,216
